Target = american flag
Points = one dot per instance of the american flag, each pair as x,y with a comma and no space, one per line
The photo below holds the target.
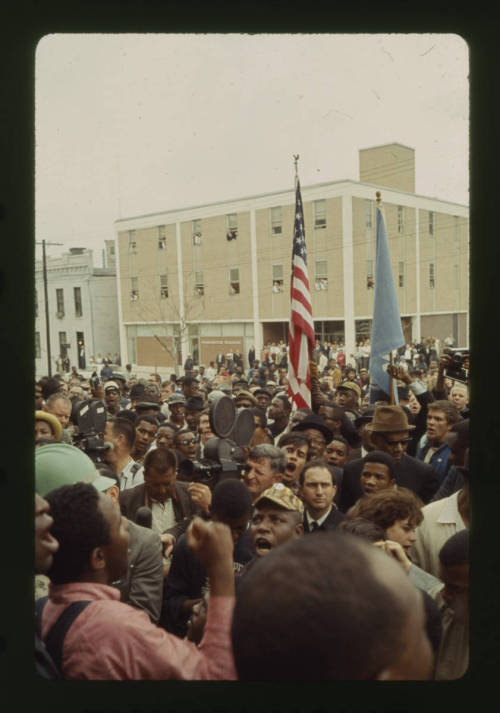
301,337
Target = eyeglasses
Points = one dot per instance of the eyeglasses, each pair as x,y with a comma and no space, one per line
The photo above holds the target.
402,441
189,442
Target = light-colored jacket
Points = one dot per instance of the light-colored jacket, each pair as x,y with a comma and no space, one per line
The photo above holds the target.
441,521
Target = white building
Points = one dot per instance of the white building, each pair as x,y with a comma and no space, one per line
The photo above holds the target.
83,311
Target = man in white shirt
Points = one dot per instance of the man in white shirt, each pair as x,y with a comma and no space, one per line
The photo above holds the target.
169,500
211,372
120,434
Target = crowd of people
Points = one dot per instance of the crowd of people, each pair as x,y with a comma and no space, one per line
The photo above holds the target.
341,530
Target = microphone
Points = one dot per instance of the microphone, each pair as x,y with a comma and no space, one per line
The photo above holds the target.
108,446
144,516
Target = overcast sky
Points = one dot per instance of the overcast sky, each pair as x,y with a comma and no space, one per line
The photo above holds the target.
133,124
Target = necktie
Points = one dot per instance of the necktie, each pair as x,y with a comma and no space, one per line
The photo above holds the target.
314,526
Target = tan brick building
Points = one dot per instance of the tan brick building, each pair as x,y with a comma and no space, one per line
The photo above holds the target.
216,277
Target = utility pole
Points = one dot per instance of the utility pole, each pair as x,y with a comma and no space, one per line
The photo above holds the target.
44,262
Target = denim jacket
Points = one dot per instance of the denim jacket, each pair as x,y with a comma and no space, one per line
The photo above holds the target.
439,459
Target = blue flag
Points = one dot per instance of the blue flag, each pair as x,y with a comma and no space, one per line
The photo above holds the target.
387,333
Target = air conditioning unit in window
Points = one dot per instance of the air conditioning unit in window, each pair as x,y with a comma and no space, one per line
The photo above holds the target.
60,314
132,246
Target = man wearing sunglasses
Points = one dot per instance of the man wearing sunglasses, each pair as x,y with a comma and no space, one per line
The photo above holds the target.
186,444
389,432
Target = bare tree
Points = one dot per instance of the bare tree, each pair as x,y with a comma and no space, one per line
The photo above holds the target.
164,311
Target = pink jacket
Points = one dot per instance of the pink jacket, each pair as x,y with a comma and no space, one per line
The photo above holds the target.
112,640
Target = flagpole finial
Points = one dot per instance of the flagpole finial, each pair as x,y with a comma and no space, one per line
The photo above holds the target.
379,196
295,160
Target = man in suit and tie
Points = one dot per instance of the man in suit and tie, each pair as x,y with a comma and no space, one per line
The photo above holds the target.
389,432
169,500
317,489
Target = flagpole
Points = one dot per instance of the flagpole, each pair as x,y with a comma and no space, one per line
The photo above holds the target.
391,381
295,162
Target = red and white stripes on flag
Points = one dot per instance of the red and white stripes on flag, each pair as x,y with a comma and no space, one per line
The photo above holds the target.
301,336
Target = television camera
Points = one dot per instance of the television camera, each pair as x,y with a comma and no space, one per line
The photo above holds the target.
224,456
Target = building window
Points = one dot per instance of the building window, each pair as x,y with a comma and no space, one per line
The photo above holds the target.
456,275
319,208
131,240
232,226
196,230
321,275
431,222
60,303
36,302
234,281
276,221
432,276
199,284
112,250
134,289
368,214
401,274
278,281
162,237
78,301
63,345
163,287
370,282
38,351
401,219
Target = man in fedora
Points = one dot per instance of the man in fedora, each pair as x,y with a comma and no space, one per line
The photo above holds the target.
389,431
